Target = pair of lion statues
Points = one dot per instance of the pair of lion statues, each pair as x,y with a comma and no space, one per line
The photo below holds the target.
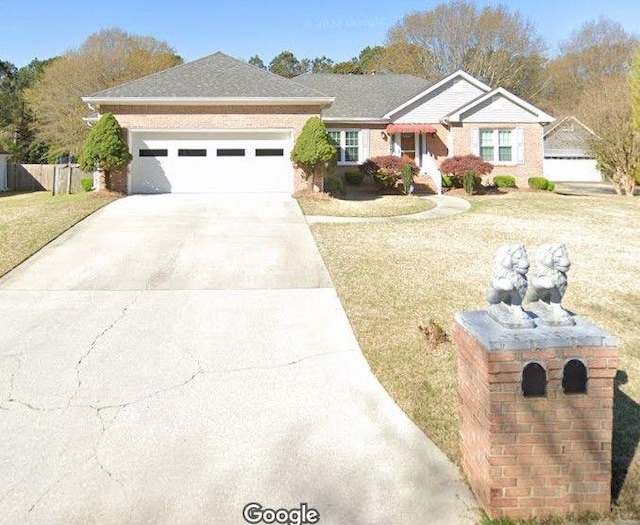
509,287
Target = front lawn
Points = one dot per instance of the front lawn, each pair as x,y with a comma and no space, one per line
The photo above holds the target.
365,206
28,221
393,277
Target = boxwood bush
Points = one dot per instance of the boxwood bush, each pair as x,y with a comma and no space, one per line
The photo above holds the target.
333,185
541,183
504,181
353,177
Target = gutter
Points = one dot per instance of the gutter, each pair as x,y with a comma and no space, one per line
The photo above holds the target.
208,101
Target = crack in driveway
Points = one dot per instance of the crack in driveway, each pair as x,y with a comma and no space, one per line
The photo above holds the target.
120,317
18,358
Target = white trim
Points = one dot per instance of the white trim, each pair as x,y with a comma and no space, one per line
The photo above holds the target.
542,117
207,101
462,74
130,144
363,152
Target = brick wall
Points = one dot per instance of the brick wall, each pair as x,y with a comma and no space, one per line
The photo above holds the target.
533,150
535,456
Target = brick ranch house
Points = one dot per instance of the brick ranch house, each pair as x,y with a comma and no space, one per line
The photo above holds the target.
219,124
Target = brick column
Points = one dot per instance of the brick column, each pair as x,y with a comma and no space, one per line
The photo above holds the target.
541,455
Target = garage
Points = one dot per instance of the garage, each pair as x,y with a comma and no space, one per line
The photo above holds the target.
217,161
571,170
566,152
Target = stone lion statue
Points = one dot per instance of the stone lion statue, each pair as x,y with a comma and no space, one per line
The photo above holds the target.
508,287
548,285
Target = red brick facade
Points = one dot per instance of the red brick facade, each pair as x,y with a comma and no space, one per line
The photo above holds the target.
535,456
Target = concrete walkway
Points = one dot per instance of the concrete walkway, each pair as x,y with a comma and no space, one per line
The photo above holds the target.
445,206
175,357
583,189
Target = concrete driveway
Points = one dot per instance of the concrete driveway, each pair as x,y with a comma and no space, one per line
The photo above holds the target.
175,357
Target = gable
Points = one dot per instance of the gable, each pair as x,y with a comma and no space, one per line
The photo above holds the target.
567,138
498,108
435,105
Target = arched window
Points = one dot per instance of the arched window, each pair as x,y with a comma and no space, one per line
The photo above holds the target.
574,377
534,380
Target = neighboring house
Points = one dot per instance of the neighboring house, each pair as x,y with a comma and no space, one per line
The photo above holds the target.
566,155
220,124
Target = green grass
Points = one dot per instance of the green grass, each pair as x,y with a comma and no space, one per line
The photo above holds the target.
28,221
394,277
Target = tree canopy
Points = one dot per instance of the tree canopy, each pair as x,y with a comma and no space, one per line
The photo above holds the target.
494,44
286,65
17,122
106,59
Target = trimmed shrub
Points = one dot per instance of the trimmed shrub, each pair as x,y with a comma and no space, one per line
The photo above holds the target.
313,152
333,185
551,186
387,170
86,183
105,148
354,177
407,179
469,182
458,165
505,181
540,183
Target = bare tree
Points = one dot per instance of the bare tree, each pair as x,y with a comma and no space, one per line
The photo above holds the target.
606,107
106,59
411,59
599,48
492,43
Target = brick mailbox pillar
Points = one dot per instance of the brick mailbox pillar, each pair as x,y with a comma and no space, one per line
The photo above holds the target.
536,408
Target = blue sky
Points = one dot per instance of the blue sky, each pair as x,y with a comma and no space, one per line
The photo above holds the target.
336,28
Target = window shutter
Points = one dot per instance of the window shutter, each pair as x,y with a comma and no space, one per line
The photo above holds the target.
520,145
396,151
364,141
475,142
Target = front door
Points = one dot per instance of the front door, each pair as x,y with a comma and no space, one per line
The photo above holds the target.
408,145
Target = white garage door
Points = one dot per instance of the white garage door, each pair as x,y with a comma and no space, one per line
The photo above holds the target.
230,162
571,170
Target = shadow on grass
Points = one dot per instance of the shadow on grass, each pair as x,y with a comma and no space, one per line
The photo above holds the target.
369,191
626,434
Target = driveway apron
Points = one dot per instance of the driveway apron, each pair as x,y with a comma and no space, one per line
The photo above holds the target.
173,358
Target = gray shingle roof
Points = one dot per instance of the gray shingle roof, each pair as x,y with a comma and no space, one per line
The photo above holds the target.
364,96
214,76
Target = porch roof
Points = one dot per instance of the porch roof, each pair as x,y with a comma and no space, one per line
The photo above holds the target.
409,128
